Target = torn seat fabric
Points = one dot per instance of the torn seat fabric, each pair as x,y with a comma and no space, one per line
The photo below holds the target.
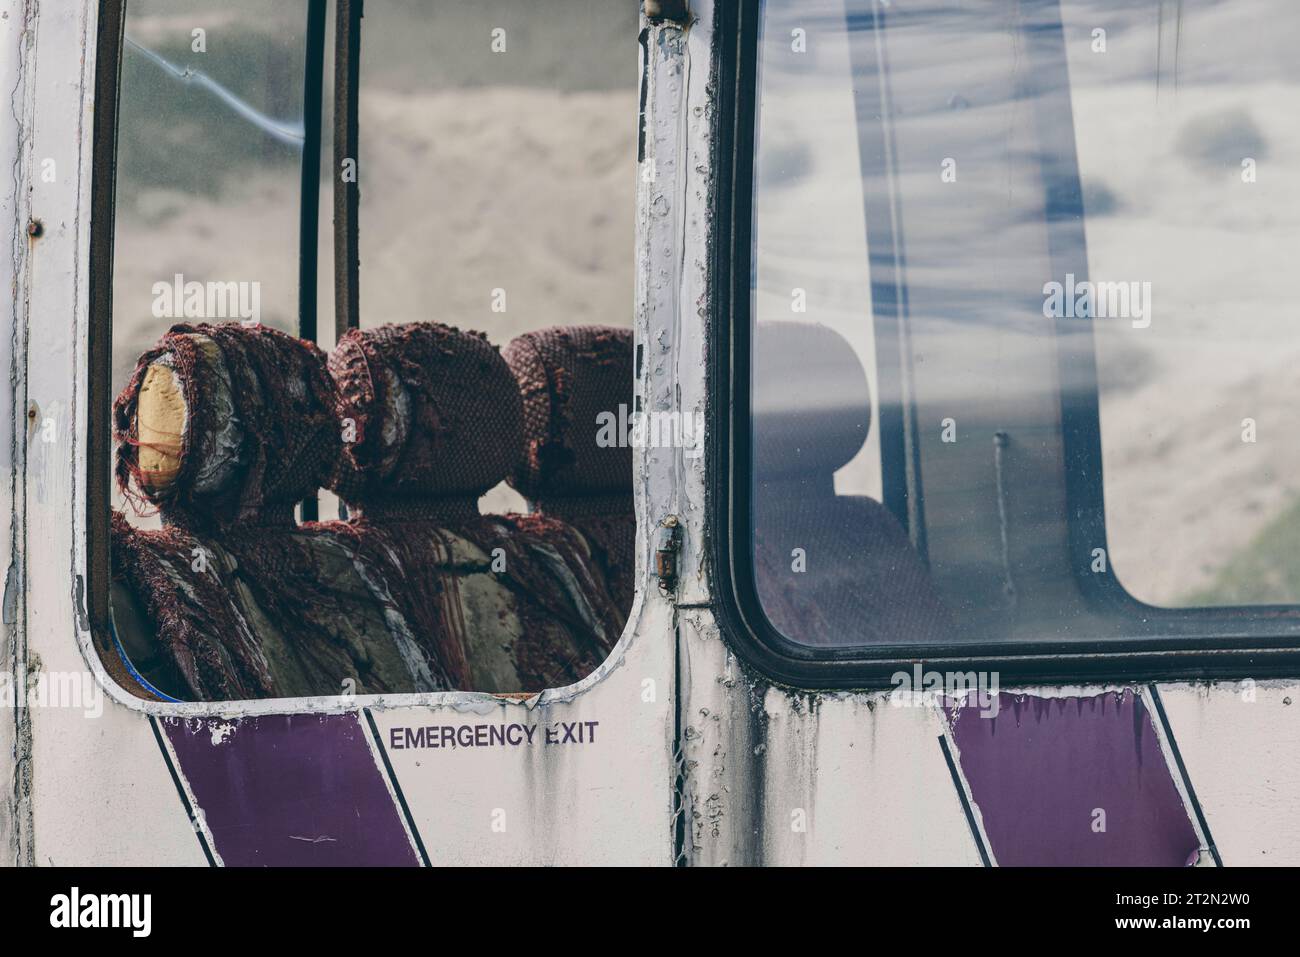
235,426
577,388
435,419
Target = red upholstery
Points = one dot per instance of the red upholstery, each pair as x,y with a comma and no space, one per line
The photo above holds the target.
569,377
260,432
243,603
438,421
415,592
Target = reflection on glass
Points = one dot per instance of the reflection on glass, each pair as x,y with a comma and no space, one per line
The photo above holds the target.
208,171
1020,218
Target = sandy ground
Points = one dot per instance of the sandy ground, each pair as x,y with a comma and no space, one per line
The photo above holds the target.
1184,493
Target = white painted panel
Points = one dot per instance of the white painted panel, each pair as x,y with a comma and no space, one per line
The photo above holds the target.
101,792
868,780
105,795
872,777
13,219
604,799
1241,747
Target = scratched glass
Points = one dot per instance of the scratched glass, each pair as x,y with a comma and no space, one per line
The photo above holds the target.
1019,299
208,178
208,169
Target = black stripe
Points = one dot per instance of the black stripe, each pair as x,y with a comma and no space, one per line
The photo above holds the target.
965,804
1182,771
397,789
180,789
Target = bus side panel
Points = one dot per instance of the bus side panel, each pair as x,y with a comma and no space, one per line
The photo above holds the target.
575,779
780,777
1075,778
301,790
1240,743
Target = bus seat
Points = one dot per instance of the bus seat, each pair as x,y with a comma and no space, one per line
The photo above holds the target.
574,380
435,420
830,569
224,428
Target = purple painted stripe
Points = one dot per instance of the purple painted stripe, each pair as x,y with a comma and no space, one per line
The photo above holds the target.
290,790
1041,769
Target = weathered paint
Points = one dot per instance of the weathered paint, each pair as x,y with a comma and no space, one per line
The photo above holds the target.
15,118
1073,781
290,790
778,777
87,772
1240,744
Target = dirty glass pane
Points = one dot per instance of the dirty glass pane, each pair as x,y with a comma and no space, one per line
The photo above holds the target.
497,183
498,178
1071,212
208,176
1202,466
208,170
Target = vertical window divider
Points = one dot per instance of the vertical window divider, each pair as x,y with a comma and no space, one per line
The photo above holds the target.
309,214
347,57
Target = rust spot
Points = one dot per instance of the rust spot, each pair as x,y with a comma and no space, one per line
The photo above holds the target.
677,11
35,228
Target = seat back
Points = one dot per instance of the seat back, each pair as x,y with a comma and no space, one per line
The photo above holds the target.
577,388
830,569
223,428
436,420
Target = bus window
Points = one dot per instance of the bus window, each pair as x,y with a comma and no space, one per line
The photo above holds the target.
485,539
1011,382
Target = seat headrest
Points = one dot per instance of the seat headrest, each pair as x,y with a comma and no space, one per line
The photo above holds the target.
427,411
570,378
812,405
223,423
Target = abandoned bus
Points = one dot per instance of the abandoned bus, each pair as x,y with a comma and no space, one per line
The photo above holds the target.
593,432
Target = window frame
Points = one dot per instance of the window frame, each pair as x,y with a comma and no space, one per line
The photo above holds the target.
1234,642
100,648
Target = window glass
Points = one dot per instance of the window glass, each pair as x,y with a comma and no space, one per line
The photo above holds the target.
1189,153
498,181
210,129
936,186
209,145
473,427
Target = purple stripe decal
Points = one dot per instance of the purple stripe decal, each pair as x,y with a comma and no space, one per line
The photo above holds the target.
290,790
1048,773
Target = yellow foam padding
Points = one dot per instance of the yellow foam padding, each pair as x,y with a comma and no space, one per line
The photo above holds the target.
160,416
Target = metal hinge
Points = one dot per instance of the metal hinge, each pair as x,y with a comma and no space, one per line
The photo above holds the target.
667,543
